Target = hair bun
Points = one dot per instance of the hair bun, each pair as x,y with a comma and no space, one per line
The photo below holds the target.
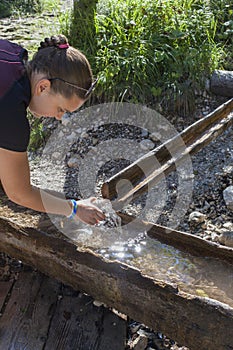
54,41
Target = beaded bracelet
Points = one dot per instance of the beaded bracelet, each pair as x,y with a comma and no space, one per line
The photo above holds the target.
74,208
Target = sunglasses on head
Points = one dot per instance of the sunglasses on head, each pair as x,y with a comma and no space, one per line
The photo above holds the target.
88,92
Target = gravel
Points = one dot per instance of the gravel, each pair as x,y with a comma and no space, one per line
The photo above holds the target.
206,216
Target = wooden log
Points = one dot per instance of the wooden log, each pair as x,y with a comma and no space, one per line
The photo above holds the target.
186,242
197,322
221,83
188,142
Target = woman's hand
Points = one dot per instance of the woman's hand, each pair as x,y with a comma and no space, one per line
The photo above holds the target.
88,212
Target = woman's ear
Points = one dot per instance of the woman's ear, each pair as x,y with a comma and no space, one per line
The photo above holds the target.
42,86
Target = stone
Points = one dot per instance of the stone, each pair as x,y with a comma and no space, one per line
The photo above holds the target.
65,119
214,237
140,343
147,145
56,155
73,162
155,136
228,197
226,238
144,133
228,225
72,136
95,141
197,217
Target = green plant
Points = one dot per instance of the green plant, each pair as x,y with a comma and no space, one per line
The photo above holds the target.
145,49
19,7
51,5
4,9
37,136
148,51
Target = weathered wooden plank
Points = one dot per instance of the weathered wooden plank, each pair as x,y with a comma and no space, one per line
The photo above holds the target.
200,323
5,287
78,324
25,321
168,155
183,241
113,332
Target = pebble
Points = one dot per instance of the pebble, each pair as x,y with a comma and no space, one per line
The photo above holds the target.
140,343
72,136
95,141
228,225
228,197
56,155
155,136
65,119
207,213
73,162
226,238
144,133
98,303
197,217
147,145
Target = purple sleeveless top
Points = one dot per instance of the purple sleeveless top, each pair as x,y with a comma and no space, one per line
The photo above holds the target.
15,95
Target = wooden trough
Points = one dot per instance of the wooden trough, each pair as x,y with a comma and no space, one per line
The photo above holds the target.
198,322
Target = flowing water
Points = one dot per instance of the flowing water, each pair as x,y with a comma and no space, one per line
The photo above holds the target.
205,277
200,276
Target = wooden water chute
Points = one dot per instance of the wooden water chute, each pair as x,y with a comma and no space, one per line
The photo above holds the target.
198,322
194,138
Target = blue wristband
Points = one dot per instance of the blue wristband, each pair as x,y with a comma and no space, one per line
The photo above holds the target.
74,209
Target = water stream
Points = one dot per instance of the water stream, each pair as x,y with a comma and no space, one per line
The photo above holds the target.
200,276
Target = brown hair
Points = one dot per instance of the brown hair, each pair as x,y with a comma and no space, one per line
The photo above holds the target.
65,63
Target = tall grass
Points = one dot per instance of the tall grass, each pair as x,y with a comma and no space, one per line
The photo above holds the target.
22,7
147,51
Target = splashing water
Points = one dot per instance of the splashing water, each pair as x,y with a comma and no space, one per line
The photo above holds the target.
102,235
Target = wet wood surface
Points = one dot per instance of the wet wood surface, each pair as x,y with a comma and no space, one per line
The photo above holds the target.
197,322
40,313
183,241
163,160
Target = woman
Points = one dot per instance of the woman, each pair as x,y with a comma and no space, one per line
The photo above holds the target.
57,80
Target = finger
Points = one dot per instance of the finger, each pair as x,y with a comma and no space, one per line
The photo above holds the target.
94,222
100,215
93,199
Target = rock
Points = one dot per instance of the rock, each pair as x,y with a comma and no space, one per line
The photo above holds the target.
56,155
84,134
228,197
140,343
147,145
65,119
144,133
155,136
214,237
98,303
197,217
228,225
71,137
95,141
73,162
226,238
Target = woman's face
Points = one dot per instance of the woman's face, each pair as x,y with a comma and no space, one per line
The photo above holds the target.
44,103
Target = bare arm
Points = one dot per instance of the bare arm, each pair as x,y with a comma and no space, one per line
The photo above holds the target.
15,178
